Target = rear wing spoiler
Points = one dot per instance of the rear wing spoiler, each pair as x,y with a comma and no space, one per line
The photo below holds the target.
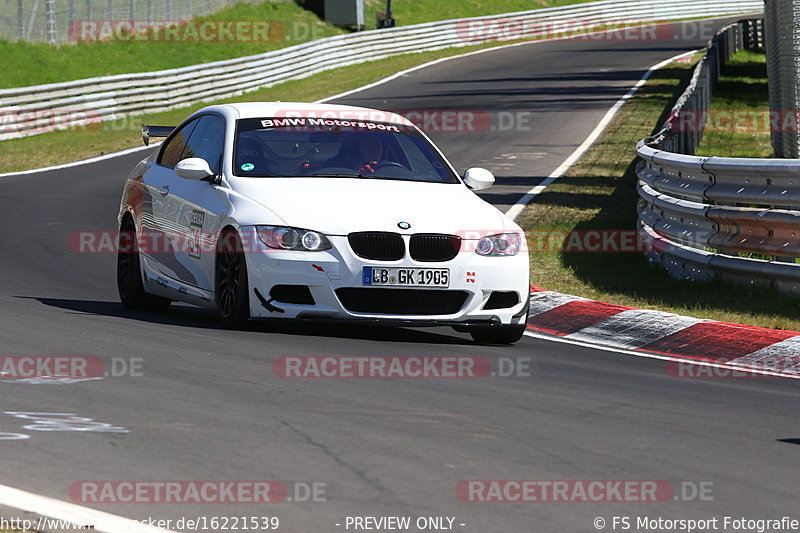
155,131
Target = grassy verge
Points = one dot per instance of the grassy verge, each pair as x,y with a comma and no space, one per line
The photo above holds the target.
37,63
739,116
97,139
599,193
289,24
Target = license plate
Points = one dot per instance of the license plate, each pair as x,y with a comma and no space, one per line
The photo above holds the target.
406,277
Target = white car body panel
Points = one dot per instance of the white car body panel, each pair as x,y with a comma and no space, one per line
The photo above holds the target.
338,206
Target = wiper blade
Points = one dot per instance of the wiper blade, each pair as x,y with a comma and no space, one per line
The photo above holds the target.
359,175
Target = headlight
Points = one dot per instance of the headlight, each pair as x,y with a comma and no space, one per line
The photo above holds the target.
501,244
283,238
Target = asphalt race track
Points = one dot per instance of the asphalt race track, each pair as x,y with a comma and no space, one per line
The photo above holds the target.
208,405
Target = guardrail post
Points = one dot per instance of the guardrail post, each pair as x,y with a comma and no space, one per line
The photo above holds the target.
70,15
21,19
783,51
51,21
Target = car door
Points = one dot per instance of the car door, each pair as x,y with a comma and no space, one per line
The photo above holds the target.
159,209
196,208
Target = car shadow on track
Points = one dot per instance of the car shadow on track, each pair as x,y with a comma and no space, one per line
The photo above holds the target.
195,317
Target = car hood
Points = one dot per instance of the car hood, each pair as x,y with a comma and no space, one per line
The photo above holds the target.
338,206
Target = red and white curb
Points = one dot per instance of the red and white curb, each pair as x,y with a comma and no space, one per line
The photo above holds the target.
748,350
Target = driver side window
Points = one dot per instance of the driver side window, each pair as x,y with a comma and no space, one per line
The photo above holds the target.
171,152
206,141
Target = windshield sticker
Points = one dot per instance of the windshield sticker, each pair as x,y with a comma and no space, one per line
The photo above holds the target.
247,167
326,123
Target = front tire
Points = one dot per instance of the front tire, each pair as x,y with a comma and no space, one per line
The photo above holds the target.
129,272
231,281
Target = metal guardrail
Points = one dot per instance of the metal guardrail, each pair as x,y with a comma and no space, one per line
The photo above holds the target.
683,130
32,110
707,217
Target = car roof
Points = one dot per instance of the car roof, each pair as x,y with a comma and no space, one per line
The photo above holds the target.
295,109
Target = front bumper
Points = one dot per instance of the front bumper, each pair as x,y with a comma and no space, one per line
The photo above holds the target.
323,273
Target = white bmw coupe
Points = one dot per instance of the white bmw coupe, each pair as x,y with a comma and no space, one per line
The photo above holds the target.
308,211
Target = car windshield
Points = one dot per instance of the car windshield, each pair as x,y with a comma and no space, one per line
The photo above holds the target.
310,147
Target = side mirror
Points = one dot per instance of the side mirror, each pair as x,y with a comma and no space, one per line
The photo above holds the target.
193,168
478,179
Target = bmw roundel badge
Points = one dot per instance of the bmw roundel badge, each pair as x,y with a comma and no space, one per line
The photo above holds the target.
404,225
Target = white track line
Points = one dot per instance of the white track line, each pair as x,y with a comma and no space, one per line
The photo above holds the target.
75,514
648,355
517,208
95,159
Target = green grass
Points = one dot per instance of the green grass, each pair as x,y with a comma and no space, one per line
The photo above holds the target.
739,117
97,139
599,193
33,64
